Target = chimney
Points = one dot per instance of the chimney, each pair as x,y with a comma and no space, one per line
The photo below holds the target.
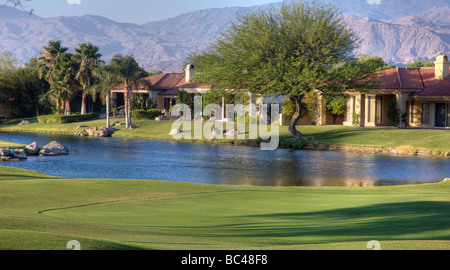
190,72
441,67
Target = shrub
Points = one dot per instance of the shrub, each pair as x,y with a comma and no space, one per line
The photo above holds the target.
63,119
356,119
288,108
254,119
145,114
392,112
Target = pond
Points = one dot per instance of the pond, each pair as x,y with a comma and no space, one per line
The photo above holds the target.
119,158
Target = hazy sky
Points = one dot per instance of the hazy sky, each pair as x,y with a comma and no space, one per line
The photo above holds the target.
134,11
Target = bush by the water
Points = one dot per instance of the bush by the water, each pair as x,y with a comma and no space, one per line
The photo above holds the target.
145,114
63,119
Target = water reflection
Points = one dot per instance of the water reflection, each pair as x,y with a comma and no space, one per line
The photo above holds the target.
219,164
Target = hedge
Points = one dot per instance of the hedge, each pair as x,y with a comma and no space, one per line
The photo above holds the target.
63,119
145,114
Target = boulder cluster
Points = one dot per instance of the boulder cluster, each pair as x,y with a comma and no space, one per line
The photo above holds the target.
51,149
94,131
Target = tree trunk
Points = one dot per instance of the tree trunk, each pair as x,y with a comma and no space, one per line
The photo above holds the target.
67,109
299,136
37,108
59,106
128,107
107,110
125,100
83,101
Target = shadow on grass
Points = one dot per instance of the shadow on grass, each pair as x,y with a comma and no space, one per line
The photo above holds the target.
13,122
421,220
391,221
26,177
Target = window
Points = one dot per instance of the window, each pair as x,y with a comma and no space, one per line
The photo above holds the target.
441,115
426,113
379,110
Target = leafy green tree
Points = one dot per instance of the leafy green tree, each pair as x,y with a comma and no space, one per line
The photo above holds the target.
19,90
126,70
421,63
35,85
7,61
375,62
88,59
291,52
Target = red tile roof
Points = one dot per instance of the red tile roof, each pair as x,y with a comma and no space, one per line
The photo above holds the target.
420,79
433,87
169,84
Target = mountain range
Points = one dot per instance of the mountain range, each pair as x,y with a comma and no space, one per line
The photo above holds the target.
399,31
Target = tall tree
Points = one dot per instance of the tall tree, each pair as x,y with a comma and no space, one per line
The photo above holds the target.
104,81
36,85
65,84
290,51
88,59
19,91
7,61
127,70
421,63
47,59
47,62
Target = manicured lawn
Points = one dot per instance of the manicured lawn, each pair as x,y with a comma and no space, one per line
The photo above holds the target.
43,212
426,140
5,144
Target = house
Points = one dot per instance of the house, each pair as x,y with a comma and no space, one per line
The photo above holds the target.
422,96
162,89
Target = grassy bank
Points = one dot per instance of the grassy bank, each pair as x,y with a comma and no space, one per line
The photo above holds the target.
11,145
371,140
43,212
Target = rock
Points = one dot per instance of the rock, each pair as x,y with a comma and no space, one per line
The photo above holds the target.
80,133
5,152
111,129
81,126
95,132
91,131
232,132
216,132
446,179
116,124
12,155
102,132
174,131
32,149
24,122
9,158
20,154
54,149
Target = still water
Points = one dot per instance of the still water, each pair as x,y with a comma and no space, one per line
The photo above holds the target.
221,164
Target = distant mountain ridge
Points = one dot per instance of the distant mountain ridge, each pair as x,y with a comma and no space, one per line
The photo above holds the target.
163,45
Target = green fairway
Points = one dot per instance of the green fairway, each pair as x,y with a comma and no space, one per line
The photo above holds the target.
42,212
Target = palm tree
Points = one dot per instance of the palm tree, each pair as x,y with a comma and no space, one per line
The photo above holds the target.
88,59
48,58
104,81
65,85
127,70
47,61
